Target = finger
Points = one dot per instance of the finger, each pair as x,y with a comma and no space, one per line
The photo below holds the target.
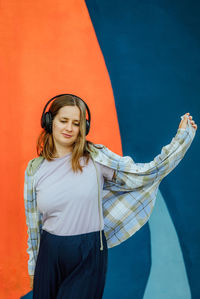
185,118
195,126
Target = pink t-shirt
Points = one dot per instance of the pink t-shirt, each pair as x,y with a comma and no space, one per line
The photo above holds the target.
68,200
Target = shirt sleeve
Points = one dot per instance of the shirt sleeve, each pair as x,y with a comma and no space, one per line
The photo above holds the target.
31,263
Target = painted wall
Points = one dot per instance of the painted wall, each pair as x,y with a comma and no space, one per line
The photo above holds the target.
151,50
136,62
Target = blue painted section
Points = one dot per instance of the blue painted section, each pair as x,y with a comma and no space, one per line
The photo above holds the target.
151,50
29,295
168,277
124,275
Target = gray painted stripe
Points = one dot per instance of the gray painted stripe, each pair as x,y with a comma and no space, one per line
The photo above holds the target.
168,277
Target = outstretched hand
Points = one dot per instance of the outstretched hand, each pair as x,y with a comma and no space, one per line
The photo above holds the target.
183,122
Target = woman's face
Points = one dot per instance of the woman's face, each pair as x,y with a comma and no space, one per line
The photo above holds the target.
66,126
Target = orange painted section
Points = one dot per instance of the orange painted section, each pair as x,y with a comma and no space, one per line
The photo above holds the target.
47,48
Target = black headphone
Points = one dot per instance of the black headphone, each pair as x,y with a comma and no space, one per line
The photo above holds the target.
46,119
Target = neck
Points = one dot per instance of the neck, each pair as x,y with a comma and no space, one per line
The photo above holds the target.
61,152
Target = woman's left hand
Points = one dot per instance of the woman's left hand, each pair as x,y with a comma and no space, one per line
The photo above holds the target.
183,122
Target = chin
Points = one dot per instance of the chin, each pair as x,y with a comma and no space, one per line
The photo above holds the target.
69,143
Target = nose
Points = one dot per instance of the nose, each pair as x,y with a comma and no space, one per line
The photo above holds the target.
68,126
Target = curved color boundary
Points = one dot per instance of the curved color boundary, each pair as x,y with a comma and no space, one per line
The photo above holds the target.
168,277
47,48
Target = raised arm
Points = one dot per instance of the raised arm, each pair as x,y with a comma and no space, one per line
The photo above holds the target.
174,152
132,175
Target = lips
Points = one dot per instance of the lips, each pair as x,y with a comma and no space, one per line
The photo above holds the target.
66,135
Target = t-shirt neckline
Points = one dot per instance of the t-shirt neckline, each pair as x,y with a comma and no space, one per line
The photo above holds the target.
60,158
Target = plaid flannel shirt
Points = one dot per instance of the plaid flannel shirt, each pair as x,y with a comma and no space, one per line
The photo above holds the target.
128,199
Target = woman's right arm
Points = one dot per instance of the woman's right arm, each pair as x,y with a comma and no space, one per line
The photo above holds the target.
31,261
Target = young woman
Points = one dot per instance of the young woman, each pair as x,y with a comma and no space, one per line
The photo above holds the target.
78,203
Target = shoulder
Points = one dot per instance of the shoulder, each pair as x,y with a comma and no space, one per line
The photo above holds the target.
102,154
33,165
100,149
95,148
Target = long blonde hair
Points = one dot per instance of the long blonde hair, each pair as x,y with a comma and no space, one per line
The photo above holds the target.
45,143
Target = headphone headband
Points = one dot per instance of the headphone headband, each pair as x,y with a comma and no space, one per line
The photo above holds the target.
46,119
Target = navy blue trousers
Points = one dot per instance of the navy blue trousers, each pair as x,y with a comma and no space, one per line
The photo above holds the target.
70,267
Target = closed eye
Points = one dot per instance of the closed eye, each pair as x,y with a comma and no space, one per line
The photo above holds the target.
63,121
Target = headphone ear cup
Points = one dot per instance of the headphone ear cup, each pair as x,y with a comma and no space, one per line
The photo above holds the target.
47,122
87,127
